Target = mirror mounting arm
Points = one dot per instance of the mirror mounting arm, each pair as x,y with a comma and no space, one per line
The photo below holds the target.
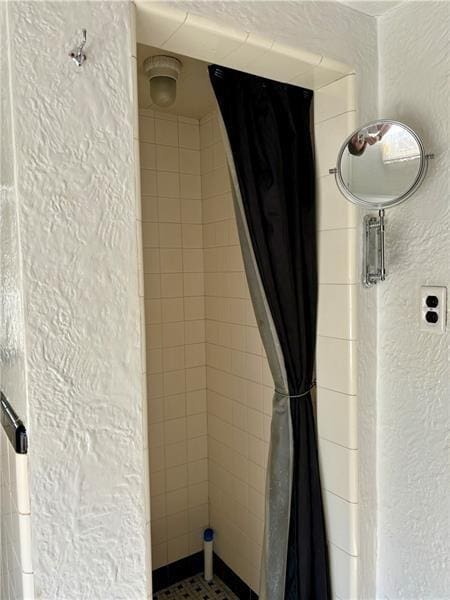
374,268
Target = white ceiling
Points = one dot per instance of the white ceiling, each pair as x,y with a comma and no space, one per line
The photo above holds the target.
195,97
372,8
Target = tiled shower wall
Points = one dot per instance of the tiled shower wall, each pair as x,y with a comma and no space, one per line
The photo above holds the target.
239,384
16,570
233,377
175,333
336,354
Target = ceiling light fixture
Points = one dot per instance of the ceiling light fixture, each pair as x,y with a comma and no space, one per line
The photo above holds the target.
162,72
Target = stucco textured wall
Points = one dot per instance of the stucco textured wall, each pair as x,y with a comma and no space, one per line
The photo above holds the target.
412,365
74,143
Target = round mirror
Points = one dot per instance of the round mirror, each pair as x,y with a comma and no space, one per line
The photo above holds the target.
381,164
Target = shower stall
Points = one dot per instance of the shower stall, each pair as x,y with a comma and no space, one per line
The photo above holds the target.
209,386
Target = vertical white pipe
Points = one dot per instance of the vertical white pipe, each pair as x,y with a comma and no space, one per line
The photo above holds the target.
208,537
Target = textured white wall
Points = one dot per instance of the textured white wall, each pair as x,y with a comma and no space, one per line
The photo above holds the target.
412,365
74,144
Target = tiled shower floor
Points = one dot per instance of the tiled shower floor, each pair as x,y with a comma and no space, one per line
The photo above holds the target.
196,587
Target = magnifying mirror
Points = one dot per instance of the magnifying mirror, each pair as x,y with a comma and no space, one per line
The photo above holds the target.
378,166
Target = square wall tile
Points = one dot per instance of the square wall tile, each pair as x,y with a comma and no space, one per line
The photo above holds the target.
194,308
336,364
189,136
149,182
339,467
177,548
162,24
193,260
151,260
192,235
171,285
168,184
337,314
337,417
176,501
189,161
330,135
342,522
172,312
149,206
174,432
173,360
344,573
150,235
166,132
169,235
335,211
175,454
176,477
169,210
147,156
191,210
190,186
171,260
335,98
147,129
167,159
338,260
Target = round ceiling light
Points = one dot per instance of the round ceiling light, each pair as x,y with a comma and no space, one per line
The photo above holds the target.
163,72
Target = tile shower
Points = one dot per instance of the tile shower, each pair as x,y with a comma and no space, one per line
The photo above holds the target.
233,387
209,385
175,333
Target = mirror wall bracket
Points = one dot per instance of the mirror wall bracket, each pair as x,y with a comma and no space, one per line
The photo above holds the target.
374,267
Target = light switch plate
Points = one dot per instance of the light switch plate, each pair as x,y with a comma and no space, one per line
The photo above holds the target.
433,309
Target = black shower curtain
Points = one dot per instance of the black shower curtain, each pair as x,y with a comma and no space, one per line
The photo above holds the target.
271,158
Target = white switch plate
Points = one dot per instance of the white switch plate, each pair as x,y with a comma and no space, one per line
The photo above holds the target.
439,311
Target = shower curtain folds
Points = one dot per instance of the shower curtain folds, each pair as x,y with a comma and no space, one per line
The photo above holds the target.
267,131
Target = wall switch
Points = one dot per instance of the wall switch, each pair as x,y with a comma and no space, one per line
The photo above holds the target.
433,309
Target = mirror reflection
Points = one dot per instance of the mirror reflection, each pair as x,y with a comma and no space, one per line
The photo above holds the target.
380,163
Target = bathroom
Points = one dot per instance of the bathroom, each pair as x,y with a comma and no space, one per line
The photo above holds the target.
138,368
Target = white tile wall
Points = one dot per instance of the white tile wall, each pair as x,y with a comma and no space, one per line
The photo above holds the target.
344,571
17,580
238,419
236,385
337,341
175,333
337,417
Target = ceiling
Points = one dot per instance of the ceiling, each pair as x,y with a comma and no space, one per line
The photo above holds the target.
193,77
373,8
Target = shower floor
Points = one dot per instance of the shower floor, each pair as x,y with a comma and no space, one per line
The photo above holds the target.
196,587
